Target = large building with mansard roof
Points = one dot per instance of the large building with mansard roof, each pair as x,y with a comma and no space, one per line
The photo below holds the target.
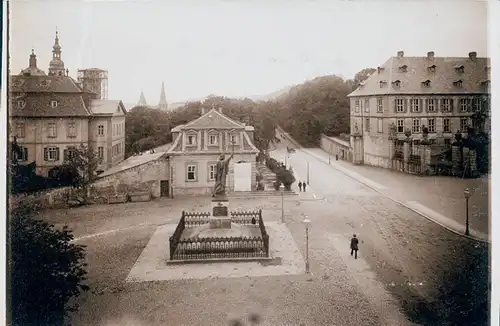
197,146
407,93
51,114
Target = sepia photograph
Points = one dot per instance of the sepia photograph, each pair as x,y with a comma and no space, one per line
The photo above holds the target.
200,163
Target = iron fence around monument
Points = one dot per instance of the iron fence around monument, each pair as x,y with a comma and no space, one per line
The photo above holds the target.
194,219
247,217
176,236
223,247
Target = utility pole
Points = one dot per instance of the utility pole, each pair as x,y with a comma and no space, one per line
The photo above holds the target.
307,172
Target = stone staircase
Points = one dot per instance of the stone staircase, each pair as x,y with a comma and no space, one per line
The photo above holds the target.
268,175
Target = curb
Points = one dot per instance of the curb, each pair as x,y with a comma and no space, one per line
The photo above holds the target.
392,198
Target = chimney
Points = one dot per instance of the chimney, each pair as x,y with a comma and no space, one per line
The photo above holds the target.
202,110
219,109
472,56
401,54
430,55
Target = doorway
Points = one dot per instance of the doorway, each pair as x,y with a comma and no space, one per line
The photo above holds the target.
164,188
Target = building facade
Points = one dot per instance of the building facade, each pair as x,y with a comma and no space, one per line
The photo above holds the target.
51,114
407,95
196,148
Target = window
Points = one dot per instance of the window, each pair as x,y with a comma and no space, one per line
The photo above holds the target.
476,106
396,83
52,130
380,105
400,105
51,154
382,84
21,103
100,130
100,152
191,172
54,103
414,104
114,130
432,68
464,104
446,105
69,153
20,130
431,105
457,84
446,125
416,126
234,139
403,68
426,83
401,125
464,123
212,140
367,124
71,129
380,125
24,154
431,125
432,141
459,69
367,105
356,105
211,172
361,104
447,141
190,140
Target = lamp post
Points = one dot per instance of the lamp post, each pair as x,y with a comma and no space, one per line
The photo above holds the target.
307,172
282,188
307,223
467,196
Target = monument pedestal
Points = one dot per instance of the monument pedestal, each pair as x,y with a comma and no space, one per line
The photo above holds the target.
220,219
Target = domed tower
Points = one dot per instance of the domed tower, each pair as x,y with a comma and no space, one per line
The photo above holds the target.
32,69
56,65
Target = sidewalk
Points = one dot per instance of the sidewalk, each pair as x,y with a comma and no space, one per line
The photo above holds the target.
439,199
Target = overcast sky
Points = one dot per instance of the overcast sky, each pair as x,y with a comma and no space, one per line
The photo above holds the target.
237,48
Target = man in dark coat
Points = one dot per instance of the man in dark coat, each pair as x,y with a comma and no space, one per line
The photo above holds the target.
354,246
300,185
304,186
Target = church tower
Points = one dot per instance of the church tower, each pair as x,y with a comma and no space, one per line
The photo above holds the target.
56,65
142,100
163,105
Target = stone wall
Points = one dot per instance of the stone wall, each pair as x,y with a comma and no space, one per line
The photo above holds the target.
336,146
141,178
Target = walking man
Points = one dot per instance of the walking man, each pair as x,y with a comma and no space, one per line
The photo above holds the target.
304,186
300,186
354,246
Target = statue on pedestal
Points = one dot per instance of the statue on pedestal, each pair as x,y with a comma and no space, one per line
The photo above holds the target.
221,170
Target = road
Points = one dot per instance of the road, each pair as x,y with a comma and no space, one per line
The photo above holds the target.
409,254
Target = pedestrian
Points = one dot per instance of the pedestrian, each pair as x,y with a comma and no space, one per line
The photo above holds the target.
300,186
304,186
354,246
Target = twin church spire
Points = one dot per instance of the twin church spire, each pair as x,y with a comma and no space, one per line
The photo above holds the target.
162,104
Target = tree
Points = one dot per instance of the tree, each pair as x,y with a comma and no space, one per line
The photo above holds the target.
362,75
85,161
46,270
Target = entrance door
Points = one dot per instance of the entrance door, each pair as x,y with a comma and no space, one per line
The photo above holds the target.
243,176
164,188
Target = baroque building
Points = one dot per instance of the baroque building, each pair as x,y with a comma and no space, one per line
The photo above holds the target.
197,146
51,114
410,95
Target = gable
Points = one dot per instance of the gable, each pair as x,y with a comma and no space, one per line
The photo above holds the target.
213,120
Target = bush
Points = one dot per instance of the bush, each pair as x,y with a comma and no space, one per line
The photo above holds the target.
277,185
47,270
283,175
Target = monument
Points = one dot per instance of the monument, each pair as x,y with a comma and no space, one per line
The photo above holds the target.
220,203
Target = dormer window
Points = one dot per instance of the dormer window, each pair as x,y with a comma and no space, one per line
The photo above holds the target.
191,140
18,82
459,69
233,139
431,68
45,82
403,68
426,83
21,104
396,83
458,83
382,83
54,103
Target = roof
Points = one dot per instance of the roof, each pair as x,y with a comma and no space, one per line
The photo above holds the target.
106,107
39,105
132,162
43,84
33,71
213,119
413,72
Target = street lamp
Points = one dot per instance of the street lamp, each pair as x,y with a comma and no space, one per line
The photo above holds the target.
467,196
307,172
307,223
282,188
